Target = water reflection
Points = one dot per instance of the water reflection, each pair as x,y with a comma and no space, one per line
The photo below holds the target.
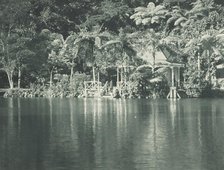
50,111
19,113
111,134
10,117
173,111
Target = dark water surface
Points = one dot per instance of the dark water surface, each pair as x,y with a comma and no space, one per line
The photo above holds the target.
108,134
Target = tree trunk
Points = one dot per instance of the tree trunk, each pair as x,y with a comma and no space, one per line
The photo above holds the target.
121,74
19,77
98,83
71,74
51,77
10,76
209,66
154,62
94,78
125,71
117,76
172,77
199,62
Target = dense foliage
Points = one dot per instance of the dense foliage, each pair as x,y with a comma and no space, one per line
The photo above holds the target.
53,46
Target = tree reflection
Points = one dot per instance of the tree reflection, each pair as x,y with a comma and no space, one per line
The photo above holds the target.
10,113
50,111
19,113
111,134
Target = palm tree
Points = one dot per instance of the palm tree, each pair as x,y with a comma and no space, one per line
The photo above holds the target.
201,8
181,18
150,41
71,47
69,51
178,18
92,41
206,46
125,48
56,57
149,15
145,77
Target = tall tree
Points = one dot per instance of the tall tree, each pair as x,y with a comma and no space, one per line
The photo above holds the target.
14,55
206,47
150,15
15,25
7,60
55,59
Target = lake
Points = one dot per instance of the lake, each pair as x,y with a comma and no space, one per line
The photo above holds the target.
111,134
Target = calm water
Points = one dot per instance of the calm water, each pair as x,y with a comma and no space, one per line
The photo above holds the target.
107,134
